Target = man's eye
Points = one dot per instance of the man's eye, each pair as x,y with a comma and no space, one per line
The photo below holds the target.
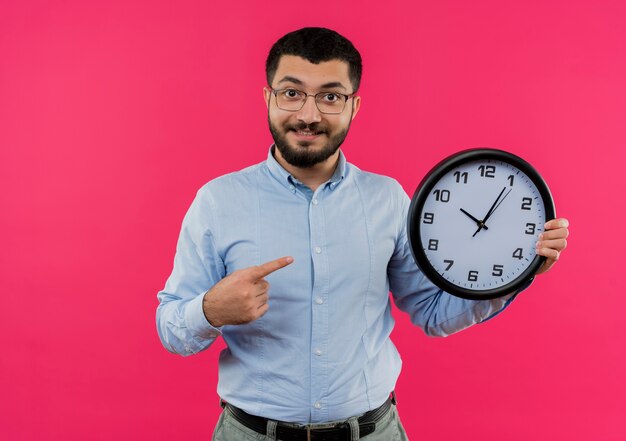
291,93
331,97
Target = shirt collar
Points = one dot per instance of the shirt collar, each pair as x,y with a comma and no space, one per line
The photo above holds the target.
289,181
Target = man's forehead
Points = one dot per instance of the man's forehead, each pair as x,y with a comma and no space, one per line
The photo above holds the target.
298,70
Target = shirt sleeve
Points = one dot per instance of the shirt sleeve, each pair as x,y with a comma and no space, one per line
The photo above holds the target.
181,323
438,313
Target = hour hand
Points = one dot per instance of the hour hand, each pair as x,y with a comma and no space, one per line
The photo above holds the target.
479,223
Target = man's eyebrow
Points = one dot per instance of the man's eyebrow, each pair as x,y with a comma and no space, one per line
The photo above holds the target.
289,79
294,80
333,84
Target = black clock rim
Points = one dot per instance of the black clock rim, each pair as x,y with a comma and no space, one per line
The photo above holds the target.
423,190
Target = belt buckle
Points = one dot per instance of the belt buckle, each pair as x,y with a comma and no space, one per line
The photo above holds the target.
323,426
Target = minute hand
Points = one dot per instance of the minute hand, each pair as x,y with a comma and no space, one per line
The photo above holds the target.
489,213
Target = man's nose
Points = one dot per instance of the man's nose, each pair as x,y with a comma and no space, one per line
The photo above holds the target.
309,112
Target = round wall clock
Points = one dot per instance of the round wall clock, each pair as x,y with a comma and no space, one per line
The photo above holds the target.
474,221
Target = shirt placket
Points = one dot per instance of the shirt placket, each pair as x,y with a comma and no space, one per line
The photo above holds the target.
319,307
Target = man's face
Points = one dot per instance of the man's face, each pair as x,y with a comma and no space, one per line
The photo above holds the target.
307,137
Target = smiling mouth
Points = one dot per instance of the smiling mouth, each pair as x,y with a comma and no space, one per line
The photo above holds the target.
306,132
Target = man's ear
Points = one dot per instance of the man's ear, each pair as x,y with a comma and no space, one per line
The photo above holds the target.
355,106
267,93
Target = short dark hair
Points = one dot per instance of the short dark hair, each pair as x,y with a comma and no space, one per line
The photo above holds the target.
316,45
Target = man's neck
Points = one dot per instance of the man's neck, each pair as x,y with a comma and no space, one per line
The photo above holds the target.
314,176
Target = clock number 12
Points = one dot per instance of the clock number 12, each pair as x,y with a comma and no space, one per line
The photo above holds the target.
487,171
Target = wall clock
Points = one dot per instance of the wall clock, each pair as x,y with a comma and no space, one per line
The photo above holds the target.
474,220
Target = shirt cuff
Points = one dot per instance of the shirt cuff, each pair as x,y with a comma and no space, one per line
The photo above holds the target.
508,299
197,322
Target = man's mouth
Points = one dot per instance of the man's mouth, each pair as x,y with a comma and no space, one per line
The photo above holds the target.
307,133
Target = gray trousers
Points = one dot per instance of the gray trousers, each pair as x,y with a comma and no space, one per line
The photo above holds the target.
389,428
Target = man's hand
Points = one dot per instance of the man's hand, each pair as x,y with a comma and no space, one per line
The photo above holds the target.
241,297
552,242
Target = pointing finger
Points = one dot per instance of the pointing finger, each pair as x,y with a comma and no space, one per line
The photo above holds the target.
260,271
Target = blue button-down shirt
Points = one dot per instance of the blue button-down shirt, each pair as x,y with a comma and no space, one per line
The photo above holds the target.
322,351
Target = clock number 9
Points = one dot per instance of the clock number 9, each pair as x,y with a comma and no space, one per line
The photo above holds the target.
442,195
429,218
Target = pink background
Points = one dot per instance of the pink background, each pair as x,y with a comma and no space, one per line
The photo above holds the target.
112,116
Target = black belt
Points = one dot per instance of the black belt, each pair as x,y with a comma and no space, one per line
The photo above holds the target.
335,432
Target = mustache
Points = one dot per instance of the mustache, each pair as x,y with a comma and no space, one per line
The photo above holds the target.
314,127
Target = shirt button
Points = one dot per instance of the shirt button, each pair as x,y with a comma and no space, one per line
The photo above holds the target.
318,405
315,202
318,352
318,250
319,300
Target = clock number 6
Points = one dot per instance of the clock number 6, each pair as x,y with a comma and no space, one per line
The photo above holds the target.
472,276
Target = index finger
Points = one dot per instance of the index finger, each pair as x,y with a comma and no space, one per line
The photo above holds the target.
267,268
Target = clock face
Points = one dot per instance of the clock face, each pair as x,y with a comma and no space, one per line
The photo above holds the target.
474,222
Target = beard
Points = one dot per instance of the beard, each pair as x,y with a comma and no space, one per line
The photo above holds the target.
303,156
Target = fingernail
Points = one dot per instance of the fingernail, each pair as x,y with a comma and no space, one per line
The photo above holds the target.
289,259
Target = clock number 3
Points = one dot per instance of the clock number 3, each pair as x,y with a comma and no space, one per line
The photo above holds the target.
530,228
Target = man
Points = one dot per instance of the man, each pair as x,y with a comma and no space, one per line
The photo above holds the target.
308,351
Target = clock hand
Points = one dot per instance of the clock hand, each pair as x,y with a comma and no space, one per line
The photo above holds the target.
475,220
501,200
493,207
493,211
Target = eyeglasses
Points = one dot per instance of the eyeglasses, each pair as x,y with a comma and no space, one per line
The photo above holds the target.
292,100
